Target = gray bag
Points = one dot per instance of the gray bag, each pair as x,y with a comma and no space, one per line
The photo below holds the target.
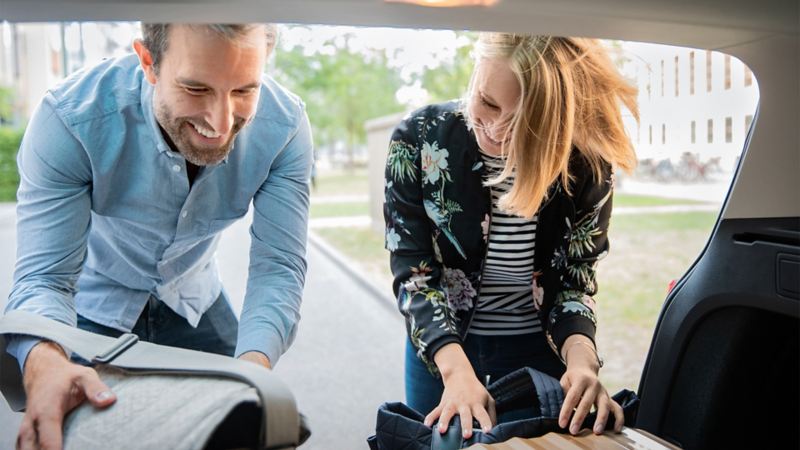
166,397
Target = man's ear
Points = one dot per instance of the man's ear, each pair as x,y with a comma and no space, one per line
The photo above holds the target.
145,60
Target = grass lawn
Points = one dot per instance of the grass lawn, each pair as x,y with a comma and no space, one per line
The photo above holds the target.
342,182
633,200
339,209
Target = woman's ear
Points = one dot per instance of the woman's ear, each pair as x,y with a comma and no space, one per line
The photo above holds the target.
145,60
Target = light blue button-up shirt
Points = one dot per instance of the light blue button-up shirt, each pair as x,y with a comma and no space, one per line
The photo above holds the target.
106,216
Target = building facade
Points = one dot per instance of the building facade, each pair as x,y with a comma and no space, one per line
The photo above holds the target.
692,101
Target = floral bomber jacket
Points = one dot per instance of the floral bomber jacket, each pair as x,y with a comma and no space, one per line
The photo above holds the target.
437,214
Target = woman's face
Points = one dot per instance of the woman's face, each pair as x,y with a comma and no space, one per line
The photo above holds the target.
494,99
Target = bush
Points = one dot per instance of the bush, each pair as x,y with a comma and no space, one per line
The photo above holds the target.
10,139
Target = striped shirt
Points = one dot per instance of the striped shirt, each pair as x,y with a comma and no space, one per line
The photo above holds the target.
505,305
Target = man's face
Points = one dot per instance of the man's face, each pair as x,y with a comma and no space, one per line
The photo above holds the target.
206,90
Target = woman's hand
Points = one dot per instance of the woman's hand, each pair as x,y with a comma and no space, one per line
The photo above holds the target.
463,393
583,388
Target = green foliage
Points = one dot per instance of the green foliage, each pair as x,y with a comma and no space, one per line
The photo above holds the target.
10,139
450,79
342,89
6,105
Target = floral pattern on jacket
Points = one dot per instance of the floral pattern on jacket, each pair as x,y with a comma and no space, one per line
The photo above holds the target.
437,212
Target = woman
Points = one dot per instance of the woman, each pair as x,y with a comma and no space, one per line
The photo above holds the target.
496,214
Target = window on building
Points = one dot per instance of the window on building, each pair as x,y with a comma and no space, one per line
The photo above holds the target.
727,72
662,77
650,131
710,131
748,120
748,76
691,73
694,132
729,129
638,133
677,89
708,70
663,134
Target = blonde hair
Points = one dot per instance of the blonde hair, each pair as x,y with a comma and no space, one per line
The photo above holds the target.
570,96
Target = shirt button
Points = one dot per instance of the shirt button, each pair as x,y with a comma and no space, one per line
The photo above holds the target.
184,214
176,168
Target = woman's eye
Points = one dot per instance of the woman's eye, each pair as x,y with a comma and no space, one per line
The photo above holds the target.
487,104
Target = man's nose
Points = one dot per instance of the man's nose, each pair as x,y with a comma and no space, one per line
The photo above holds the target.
222,115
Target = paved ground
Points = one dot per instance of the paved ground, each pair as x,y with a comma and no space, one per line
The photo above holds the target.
345,362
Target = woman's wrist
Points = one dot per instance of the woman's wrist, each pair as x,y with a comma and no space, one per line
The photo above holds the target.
580,351
451,360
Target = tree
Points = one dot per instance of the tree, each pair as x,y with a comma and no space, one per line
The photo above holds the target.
342,89
450,79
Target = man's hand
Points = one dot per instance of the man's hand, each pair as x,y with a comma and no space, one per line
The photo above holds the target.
54,387
257,358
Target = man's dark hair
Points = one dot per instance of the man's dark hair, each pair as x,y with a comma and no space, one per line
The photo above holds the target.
154,35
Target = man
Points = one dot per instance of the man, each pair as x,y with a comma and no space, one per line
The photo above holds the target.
129,172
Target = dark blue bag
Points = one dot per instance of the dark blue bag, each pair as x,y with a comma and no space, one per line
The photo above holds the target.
536,395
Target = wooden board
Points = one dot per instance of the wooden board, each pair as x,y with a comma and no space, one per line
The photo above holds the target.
630,438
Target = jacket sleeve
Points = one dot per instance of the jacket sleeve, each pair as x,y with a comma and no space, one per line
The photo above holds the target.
417,271
585,243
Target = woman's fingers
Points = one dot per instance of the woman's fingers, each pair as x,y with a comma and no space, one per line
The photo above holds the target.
466,421
484,418
574,394
447,414
588,398
602,416
619,416
492,410
433,415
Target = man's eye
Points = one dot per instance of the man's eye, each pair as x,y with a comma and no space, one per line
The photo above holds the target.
244,92
196,90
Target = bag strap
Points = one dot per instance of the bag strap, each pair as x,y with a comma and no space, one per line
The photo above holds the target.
281,421
518,386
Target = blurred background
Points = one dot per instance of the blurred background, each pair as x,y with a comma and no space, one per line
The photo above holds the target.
697,107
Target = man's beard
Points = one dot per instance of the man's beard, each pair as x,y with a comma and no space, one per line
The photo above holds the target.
178,135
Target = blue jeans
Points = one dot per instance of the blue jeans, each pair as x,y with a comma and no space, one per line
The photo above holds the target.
216,332
495,356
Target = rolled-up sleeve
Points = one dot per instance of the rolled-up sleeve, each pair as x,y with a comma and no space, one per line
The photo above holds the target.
53,219
278,251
